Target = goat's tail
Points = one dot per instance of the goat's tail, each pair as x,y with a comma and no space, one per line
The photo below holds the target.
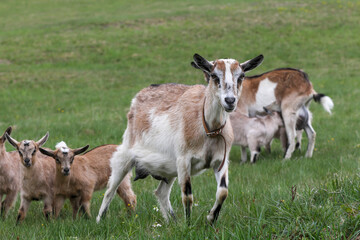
324,100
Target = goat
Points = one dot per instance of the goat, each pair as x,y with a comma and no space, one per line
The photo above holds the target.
170,134
37,172
254,132
303,122
9,175
89,172
290,89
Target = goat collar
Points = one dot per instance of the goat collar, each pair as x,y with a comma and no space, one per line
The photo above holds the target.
214,133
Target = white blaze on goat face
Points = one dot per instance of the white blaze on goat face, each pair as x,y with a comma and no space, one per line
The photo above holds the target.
226,74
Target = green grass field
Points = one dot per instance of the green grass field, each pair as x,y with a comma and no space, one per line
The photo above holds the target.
72,68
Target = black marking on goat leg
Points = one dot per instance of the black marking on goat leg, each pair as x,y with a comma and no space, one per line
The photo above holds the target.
188,211
258,149
47,216
254,158
172,214
297,146
216,212
187,189
223,182
18,219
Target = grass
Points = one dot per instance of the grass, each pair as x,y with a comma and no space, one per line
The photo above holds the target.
72,68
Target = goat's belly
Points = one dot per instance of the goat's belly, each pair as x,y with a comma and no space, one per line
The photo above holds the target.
264,97
159,165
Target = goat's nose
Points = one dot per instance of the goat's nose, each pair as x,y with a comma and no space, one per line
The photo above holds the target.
26,160
229,100
66,170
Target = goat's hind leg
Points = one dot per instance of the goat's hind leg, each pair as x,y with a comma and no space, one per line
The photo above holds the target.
163,195
121,164
221,193
126,193
311,135
290,121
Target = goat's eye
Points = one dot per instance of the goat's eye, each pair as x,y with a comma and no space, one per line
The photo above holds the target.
20,153
57,160
33,152
216,79
72,159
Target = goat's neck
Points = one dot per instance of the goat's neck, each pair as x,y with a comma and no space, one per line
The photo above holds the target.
215,114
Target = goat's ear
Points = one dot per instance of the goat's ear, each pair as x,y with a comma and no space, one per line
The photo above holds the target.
43,140
3,137
12,141
252,63
80,150
47,152
202,63
207,76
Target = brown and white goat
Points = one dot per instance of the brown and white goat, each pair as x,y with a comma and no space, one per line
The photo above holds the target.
78,176
254,132
9,175
38,174
289,88
166,137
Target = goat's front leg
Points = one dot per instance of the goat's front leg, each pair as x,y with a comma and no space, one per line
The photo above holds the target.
75,203
243,154
58,204
48,206
184,171
24,207
7,203
221,192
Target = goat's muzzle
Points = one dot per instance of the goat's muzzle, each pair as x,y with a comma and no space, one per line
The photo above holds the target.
66,171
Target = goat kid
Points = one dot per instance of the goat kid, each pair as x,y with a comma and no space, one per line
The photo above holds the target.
78,176
37,172
9,175
254,132
290,89
166,137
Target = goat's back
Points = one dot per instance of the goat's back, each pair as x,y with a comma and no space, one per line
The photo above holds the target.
287,80
96,165
155,100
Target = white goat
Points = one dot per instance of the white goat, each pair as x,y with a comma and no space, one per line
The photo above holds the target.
78,176
38,174
290,89
254,132
9,175
168,134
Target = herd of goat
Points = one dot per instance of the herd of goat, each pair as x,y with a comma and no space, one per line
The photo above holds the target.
173,131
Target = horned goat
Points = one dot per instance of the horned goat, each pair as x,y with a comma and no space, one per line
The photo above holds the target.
177,130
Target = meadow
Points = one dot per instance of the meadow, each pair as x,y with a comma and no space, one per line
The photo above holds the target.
72,68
